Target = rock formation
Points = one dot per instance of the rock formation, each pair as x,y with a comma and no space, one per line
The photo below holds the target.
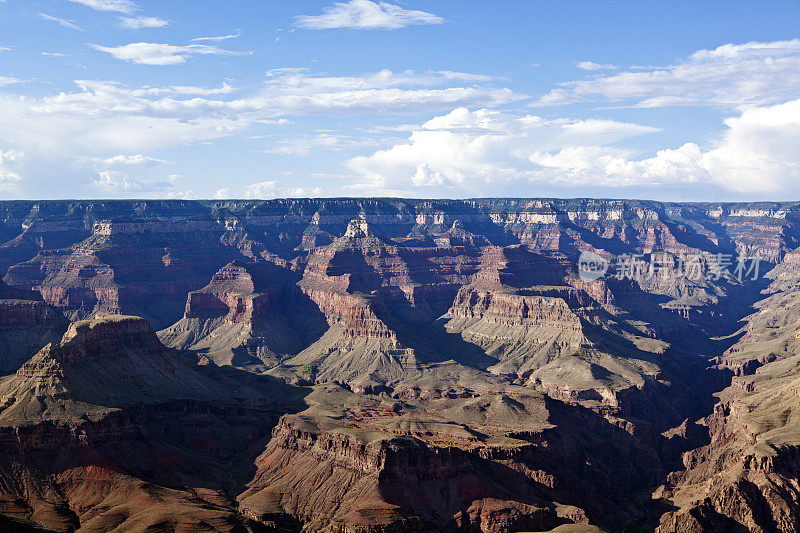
117,431
394,365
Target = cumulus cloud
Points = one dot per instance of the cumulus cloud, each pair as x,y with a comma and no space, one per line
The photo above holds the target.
222,193
135,23
161,54
758,151
732,75
112,181
63,22
8,177
366,14
473,152
118,183
263,189
473,149
118,6
274,189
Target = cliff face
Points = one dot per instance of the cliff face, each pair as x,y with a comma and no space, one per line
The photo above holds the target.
142,267
26,324
393,365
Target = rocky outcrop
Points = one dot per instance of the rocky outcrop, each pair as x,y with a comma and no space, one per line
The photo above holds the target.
116,431
351,462
339,481
250,313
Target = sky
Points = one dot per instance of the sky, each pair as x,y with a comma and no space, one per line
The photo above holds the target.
201,99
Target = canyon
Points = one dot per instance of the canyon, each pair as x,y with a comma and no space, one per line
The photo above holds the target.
381,365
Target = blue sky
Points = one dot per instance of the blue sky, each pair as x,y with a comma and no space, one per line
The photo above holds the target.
263,99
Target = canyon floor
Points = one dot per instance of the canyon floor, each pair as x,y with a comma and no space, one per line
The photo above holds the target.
388,365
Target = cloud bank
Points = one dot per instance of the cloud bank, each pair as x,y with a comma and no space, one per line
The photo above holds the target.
473,152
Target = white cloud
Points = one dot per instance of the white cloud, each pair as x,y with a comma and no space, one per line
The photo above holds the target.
366,14
303,192
120,183
63,22
119,6
481,150
385,91
589,65
263,189
76,129
474,150
135,23
733,75
8,177
218,38
222,193
53,54
129,160
160,54
464,76
9,81
5,48
102,117
112,181
274,189
225,88
759,151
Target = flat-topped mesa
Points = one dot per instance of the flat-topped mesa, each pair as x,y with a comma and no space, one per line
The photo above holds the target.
517,266
515,310
103,336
